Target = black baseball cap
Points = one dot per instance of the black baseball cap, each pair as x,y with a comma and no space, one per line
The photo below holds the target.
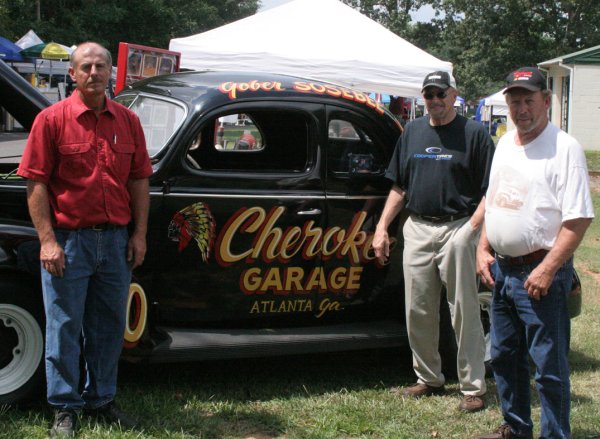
438,79
529,78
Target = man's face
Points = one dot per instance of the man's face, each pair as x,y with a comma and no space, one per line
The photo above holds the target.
91,70
439,103
528,109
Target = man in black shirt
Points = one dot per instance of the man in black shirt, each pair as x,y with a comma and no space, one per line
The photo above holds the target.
440,171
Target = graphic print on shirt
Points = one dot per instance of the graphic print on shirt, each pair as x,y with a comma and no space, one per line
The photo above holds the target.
433,152
510,189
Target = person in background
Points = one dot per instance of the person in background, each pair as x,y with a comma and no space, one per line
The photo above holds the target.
87,169
440,173
538,207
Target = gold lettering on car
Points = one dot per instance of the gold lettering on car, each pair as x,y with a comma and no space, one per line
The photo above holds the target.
234,89
295,306
295,280
270,258
271,242
327,305
285,306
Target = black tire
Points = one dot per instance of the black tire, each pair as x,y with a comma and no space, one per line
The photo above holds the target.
22,326
447,344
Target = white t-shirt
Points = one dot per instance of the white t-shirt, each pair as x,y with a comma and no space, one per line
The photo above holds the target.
533,189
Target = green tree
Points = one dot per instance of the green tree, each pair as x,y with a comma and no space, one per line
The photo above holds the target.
485,40
146,22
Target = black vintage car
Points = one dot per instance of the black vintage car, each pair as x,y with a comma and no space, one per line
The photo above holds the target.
264,198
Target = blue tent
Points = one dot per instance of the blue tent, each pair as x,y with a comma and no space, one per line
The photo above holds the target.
9,51
478,110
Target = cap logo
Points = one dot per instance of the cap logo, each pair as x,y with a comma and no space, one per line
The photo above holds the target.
522,76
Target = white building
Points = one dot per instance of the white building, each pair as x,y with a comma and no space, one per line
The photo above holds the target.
575,83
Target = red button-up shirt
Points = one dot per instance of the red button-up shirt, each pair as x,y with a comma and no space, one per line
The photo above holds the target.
86,161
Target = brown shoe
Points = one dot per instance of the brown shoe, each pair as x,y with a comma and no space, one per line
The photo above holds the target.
504,432
471,403
419,390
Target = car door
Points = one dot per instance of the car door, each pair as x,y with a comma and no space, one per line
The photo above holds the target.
358,149
240,220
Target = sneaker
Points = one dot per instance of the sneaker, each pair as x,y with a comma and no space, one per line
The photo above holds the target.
504,432
471,403
419,390
65,422
113,414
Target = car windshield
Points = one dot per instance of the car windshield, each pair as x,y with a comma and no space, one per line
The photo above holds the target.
160,119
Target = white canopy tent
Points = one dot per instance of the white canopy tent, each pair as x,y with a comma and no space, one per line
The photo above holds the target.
497,102
28,40
317,39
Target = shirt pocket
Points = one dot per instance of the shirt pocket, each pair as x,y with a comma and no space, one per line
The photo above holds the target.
120,159
75,160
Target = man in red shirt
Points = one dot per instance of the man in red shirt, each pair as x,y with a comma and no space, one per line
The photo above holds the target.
88,168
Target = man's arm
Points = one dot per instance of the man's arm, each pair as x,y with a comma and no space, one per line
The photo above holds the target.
479,214
485,258
140,205
52,255
393,205
568,239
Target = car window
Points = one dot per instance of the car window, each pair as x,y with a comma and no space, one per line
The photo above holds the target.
160,119
254,141
237,132
351,149
342,129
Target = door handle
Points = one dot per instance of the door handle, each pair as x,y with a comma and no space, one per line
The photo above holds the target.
309,212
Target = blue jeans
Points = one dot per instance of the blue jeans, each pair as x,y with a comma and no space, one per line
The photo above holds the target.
522,326
85,309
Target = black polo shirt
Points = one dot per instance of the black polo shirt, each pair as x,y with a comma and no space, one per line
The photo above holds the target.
443,169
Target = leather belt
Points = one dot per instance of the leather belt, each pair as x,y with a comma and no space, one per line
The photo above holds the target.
103,227
442,219
530,258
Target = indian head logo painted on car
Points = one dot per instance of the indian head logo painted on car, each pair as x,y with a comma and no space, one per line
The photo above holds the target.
194,221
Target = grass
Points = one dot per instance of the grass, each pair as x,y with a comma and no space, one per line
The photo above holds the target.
593,160
339,396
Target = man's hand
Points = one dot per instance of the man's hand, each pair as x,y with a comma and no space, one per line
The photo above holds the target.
52,257
539,281
381,245
136,250
485,258
140,204
381,240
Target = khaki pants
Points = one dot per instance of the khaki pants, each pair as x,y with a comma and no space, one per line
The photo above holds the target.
437,255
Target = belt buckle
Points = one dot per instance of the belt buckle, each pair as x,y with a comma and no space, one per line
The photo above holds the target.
98,227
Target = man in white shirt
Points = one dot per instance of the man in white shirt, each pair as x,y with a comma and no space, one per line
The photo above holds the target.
538,207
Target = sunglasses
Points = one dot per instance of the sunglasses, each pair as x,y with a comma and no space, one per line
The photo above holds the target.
439,95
